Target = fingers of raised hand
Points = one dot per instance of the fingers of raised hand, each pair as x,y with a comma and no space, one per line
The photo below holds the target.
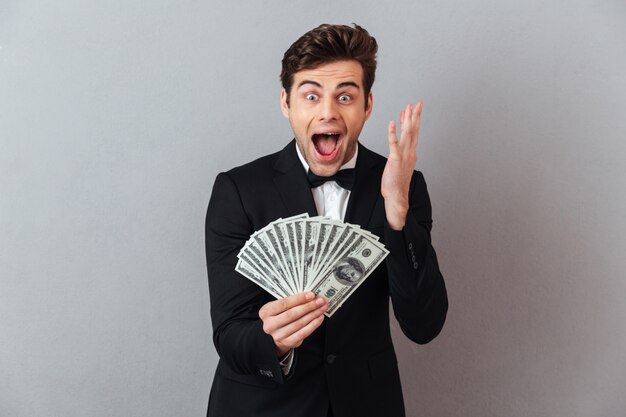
417,112
405,118
391,134
410,122
409,126
415,119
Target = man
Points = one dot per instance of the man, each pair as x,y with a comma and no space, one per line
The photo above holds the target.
282,357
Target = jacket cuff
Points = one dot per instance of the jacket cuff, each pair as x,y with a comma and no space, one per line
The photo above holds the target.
408,245
267,362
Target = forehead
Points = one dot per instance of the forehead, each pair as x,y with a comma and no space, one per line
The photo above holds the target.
332,73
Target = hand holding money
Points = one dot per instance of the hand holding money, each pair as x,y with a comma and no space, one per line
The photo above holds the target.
292,319
326,257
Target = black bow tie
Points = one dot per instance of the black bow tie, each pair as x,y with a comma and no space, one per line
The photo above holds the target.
345,178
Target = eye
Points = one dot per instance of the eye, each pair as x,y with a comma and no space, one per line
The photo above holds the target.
311,97
344,98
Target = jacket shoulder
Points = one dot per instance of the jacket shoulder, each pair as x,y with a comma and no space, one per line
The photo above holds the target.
254,170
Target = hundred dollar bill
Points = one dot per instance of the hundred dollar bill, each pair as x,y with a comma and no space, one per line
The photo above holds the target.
295,236
258,255
349,272
278,244
260,244
286,238
335,243
311,231
323,234
297,230
344,243
271,277
364,232
250,272
277,249
335,230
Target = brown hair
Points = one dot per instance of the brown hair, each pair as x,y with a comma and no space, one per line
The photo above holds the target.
328,43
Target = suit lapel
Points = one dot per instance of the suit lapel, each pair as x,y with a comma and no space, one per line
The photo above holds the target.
366,188
292,184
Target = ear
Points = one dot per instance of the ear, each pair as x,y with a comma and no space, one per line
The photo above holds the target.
370,104
284,107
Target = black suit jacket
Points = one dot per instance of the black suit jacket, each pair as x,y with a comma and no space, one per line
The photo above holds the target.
349,361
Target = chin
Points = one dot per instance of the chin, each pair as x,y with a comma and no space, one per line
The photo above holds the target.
327,171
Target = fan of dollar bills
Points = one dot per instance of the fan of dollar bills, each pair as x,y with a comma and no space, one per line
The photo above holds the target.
301,253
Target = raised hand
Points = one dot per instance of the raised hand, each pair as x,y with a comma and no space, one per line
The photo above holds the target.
292,319
396,178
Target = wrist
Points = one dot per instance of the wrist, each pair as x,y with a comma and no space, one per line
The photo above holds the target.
396,214
282,352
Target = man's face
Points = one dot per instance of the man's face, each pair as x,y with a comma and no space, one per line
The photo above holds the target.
327,111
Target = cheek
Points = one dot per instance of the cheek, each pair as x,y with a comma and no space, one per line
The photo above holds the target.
301,121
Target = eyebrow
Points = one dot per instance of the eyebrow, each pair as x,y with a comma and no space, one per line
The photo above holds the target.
340,85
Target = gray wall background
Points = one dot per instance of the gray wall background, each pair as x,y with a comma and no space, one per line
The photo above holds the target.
116,116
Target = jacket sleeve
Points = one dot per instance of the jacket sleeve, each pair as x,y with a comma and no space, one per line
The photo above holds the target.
416,286
238,332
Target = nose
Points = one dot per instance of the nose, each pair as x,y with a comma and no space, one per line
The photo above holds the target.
328,110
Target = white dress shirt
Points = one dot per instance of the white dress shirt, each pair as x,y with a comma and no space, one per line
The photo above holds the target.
330,199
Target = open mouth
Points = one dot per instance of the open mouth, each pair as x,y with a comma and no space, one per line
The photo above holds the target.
326,143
